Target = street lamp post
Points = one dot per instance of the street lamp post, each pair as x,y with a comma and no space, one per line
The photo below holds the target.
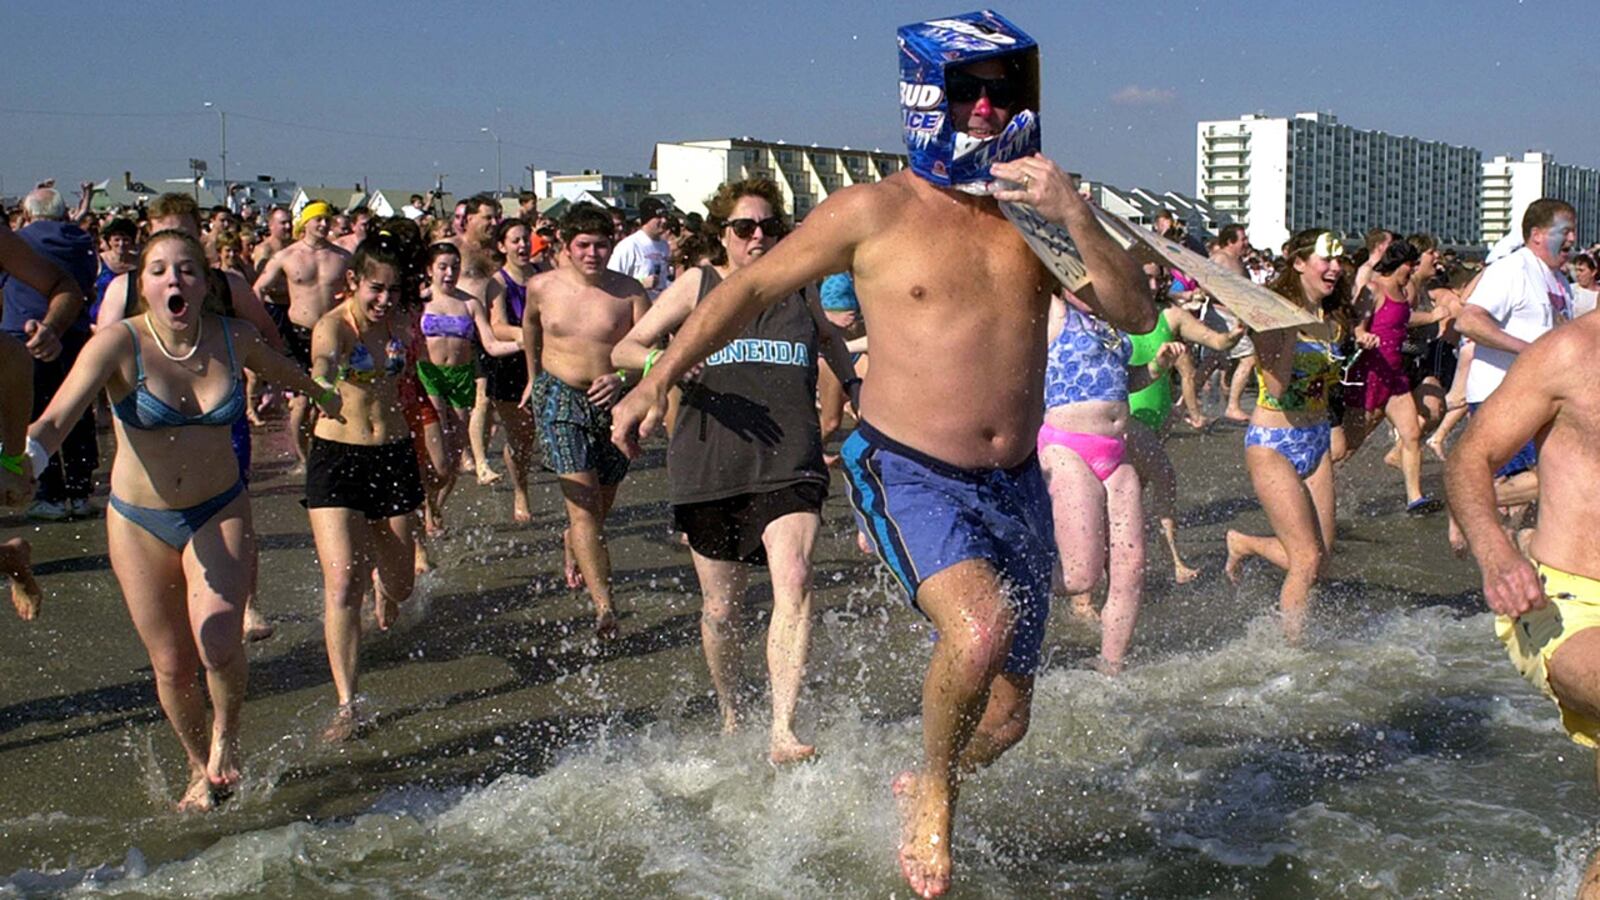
499,179
224,117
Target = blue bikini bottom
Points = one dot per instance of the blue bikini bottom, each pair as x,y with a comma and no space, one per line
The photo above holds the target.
1302,447
176,527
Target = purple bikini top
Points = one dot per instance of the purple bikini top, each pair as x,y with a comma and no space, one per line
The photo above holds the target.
436,325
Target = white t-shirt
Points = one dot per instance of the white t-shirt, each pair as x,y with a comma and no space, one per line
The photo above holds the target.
1526,298
1583,300
639,257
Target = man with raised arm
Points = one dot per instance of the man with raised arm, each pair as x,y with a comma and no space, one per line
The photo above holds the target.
943,468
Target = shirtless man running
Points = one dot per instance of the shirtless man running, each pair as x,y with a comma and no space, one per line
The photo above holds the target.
1548,607
574,316
313,269
950,492
478,268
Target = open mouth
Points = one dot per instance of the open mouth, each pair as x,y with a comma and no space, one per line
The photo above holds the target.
176,304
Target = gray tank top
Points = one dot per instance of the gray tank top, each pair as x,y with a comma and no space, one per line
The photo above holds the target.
749,424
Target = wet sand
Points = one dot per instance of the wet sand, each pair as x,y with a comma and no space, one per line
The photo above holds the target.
493,671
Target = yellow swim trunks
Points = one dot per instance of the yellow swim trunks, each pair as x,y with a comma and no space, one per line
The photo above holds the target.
1534,637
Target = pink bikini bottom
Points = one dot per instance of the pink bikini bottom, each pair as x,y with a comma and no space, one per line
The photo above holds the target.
1102,454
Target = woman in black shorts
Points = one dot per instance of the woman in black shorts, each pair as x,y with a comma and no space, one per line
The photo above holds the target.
362,481
744,464
508,375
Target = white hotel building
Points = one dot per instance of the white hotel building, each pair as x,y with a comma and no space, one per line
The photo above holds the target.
1509,185
1277,176
691,171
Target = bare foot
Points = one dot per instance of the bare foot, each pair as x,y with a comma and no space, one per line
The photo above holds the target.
1236,557
573,573
1392,458
1182,574
1236,414
1436,448
298,470
605,626
1108,668
16,561
222,771
787,750
1294,624
1083,609
256,627
385,608
197,798
520,513
487,476
254,419
924,836
1458,540
862,544
420,563
466,466
346,723
1198,423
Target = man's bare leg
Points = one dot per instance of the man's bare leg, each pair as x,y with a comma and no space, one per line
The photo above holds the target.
788,541
1574,673
300,422
478,434
587,505
1188,378
975,626
1236,387
16,563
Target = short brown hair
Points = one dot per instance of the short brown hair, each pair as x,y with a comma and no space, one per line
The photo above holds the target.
173,204
1542,214
1229,234
719,206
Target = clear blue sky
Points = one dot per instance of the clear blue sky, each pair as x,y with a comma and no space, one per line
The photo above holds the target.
329,92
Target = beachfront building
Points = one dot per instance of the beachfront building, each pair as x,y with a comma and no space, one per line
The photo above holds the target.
691,171
621,191
1276,176
1140,206
1509,185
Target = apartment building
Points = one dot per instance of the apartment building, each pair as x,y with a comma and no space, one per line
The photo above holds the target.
1509,185
690,171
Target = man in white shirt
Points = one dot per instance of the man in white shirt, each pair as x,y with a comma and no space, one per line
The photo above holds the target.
644,255
1518,299
1585,293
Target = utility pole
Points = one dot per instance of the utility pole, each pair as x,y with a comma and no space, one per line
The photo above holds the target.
499,177
531,184
224,118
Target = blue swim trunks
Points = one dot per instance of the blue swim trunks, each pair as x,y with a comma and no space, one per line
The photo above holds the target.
1303,447
1526,458
924,516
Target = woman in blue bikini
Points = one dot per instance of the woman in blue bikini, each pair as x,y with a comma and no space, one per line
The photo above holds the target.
1287,443
178,526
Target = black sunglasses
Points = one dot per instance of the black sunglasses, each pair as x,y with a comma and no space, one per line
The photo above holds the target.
744,229
962,87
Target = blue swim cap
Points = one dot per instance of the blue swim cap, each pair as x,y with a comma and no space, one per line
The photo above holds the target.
927,51
839,293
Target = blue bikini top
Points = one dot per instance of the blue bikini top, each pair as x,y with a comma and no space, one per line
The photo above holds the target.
1087,361
441,325
144,411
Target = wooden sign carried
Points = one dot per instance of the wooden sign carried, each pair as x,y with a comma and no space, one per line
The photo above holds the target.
1258,307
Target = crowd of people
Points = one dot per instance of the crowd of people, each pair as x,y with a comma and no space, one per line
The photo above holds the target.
396,345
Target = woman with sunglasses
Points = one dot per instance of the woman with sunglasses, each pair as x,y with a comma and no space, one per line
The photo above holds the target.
744,464
1288,442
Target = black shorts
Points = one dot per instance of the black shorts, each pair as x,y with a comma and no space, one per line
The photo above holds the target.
730,529
297,341
1440,362
378,481
507,377
279,314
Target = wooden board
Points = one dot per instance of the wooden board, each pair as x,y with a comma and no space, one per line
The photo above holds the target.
1258,307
